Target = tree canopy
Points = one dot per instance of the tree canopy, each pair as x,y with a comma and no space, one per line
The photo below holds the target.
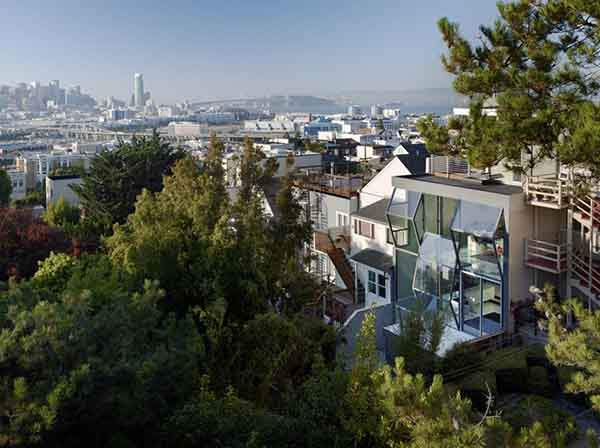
24,241
536,67
115,179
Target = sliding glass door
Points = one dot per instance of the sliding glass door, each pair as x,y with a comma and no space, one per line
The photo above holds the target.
481,311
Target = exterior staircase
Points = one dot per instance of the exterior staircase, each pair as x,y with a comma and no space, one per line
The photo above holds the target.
326,242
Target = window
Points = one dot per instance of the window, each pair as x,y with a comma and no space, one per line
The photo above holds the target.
364,228
388,236
377,284
342,219
381,285
401,237
372,284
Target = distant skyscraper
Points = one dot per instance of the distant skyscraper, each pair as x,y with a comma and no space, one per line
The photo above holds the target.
376,111
354,111
138,89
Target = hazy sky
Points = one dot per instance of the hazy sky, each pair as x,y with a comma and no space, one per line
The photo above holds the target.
199,49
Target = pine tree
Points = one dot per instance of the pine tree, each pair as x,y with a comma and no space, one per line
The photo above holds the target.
535,65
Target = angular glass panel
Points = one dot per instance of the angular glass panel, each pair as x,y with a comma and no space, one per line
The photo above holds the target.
471,292
435,268
405,271
479,220
403,203
448,211
430,213
479,256
492,307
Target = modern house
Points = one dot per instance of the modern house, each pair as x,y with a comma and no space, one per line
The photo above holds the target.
459,251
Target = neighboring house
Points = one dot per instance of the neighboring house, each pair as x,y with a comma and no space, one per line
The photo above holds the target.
18,180
60,186
267,195
302,160
373,151
372,252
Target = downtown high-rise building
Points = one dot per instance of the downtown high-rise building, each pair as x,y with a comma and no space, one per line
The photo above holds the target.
138,89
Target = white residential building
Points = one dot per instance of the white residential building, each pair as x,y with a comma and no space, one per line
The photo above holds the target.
60,186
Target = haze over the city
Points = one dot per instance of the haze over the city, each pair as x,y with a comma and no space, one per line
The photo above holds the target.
208,50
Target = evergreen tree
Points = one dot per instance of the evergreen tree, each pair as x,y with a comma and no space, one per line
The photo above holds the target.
115,179
574,347
535,65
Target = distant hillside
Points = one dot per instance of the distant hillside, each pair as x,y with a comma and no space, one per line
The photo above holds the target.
438,100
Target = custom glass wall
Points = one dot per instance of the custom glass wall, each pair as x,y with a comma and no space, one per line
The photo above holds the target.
454,252
479,235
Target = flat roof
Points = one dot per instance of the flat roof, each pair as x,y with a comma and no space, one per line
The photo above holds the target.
64,177
375,259
495,188
374,212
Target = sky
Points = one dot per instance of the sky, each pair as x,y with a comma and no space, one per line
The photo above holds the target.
202,50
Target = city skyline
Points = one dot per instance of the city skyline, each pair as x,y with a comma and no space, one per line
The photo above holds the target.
195,50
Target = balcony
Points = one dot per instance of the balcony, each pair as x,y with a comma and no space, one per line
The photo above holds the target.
546,256
337,185
546,191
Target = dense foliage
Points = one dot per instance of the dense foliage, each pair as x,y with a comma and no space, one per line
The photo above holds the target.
535,67
24,241
117,177
190,331
574,346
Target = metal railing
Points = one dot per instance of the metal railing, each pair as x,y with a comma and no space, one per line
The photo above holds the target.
449,165
546,191
587,211
546,256
588,275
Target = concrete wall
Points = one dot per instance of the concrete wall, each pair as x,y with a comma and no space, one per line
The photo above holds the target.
384,316
519,222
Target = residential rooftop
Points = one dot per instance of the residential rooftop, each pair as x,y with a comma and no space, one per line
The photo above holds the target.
464,183
374,212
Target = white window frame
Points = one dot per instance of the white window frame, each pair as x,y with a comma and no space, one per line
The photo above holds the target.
376,283
356,228
346,219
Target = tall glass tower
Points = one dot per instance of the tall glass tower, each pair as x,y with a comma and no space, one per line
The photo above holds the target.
138,89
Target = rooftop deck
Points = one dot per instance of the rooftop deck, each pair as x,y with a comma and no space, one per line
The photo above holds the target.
344,186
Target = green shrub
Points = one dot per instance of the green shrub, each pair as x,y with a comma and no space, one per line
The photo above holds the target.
558,424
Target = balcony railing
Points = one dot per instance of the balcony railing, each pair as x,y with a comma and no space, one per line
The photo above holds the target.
546,191
587,274
346,186
546,256
587,211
